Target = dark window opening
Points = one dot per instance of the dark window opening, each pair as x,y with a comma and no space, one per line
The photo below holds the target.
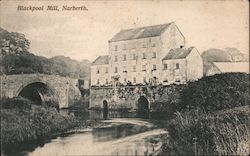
165,66
124,57
177,66
154,67
154,55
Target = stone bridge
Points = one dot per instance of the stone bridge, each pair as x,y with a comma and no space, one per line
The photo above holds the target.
133,97
41,88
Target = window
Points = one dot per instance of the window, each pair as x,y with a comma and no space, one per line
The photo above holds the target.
124,69
106,70
107,81
134,68
98,71
165,81
116,70
134,79
178,80
154,67
154,55
116,59
143,56
165,67
116,47
98,81
143,67
134,57
144,79
153,45
177,66
125,80
124,57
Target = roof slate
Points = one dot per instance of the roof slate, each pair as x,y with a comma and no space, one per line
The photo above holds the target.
141,32
101,60
178,53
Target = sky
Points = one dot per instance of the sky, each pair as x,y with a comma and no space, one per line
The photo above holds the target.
85,34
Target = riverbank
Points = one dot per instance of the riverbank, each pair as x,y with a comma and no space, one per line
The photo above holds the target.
221,133
211,118
23,122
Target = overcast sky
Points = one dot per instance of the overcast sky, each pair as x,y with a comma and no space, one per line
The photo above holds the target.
85,34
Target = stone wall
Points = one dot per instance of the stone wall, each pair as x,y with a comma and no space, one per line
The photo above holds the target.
127,96
65,89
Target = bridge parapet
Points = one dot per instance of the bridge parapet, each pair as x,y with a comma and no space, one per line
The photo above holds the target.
65,89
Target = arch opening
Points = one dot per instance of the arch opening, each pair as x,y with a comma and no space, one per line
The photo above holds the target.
39,93
143,104
105,109
105,105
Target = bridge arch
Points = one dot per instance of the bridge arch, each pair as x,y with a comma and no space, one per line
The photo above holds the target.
143,104
38,91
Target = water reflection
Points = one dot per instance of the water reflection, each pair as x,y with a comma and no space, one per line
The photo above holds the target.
99,114
120,137
116,131
109,114
124,134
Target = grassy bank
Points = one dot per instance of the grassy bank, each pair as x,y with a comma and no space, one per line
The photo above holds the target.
222,133
23,121
212,117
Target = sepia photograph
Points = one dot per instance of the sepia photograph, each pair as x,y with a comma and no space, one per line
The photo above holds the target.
125,77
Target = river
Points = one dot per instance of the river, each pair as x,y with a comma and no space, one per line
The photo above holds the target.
122,134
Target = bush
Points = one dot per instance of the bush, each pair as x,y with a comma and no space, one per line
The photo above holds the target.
16,103
225,133
221,91
52,104
22,121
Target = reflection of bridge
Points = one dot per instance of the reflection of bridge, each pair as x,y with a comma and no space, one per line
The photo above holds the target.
40,88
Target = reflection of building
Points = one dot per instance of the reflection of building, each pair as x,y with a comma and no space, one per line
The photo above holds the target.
228,67
136,57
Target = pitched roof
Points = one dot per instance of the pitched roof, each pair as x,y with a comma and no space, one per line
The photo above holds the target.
141,32
178,53
227,67
101,60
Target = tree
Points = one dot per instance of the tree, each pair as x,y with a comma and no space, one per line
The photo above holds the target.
13,43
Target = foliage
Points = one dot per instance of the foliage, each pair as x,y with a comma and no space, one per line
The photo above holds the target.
211,118
224,133
13,42
216,92
16,103
19,60
22,121
168,98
